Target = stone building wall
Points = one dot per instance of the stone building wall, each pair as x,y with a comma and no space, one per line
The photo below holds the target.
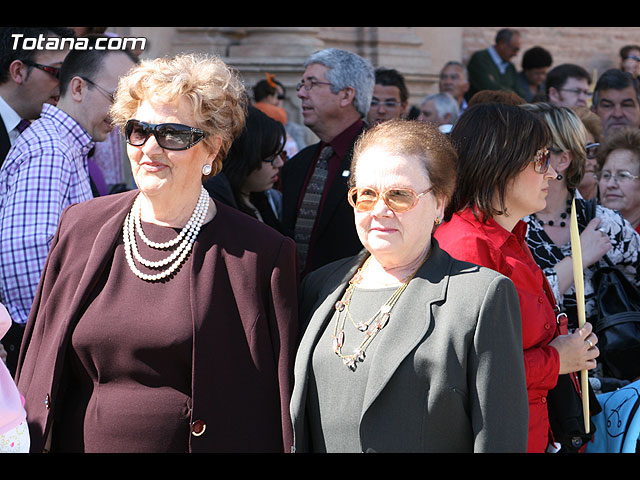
417,52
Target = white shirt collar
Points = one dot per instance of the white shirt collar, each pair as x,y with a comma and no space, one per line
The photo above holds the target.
10,119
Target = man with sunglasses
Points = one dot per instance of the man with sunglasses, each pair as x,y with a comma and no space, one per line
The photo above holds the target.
47,170
335,93
28,79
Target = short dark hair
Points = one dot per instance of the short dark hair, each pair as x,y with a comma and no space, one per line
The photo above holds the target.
558,76
615,79
506,34
8,54
86,62
263,89
495,142
624,51
390,77
536,57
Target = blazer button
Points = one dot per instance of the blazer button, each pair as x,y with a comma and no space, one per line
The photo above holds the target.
198,427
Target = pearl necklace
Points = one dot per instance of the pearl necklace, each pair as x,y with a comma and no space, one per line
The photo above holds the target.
186,237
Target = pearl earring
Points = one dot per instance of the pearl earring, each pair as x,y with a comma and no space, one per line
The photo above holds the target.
206,169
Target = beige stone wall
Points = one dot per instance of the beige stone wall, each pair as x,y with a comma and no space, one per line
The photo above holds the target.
417,52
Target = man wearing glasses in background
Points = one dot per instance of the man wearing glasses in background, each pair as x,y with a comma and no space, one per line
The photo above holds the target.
47,169
568,85
335,93
28,79
390,97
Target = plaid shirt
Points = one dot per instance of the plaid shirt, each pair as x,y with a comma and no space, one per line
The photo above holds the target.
44,172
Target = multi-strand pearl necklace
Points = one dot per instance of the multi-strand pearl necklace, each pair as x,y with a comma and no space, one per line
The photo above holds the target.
185,238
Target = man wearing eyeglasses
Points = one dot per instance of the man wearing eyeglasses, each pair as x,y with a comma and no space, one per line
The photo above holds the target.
390,97
28,79
47,169
568,85
335,95
616,101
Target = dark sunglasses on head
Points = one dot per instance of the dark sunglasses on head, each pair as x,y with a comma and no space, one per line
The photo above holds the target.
592,149
53,71
170,136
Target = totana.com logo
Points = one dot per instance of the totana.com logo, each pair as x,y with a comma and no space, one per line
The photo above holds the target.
77,43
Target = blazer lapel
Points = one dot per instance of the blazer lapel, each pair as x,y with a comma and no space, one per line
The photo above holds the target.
412,314
99,255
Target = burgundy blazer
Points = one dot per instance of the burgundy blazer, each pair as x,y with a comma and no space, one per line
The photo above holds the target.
244,291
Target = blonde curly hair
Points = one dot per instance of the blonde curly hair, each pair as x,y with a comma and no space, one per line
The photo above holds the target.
215,91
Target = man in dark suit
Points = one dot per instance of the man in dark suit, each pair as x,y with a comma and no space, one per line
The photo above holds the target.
491,68
28,78
335,93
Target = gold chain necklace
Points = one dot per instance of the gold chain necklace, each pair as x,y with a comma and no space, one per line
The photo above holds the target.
371,327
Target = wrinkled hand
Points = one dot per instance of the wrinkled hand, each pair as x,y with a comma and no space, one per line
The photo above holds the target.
595,244
578,351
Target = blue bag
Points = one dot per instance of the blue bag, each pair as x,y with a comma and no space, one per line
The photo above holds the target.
618,424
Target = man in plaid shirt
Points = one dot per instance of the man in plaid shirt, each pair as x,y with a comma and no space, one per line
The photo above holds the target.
47,170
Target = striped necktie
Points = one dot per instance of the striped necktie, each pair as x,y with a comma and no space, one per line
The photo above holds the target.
310,204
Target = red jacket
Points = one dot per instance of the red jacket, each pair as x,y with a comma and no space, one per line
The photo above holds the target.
490,245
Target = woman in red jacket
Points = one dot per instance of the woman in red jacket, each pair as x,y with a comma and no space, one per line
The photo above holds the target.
503,175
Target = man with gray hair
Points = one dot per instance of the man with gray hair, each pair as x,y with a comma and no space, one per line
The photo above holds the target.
335,94
441,109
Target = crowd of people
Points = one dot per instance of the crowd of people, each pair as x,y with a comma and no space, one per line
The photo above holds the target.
231,301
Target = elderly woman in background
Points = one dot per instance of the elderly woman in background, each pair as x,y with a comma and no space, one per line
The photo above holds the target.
251,169
588,187
549,236
619,174
164,321
504,175
400,351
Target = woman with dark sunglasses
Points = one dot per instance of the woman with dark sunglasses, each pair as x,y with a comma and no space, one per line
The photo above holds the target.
605,235
251,169
399,352
503,175
165,321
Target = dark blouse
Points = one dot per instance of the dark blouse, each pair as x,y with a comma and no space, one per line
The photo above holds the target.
624,253
128,384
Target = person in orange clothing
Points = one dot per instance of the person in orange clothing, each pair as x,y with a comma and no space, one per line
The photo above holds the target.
503,175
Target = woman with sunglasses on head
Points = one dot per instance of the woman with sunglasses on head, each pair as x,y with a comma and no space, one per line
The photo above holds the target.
400,353
604,232
504,175
165,321
251,169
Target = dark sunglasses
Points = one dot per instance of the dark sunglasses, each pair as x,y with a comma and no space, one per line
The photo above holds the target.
170,136
53,71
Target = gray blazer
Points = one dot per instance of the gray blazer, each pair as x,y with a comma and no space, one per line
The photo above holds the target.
453,381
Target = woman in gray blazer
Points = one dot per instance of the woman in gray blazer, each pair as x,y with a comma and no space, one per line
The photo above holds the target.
406,349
